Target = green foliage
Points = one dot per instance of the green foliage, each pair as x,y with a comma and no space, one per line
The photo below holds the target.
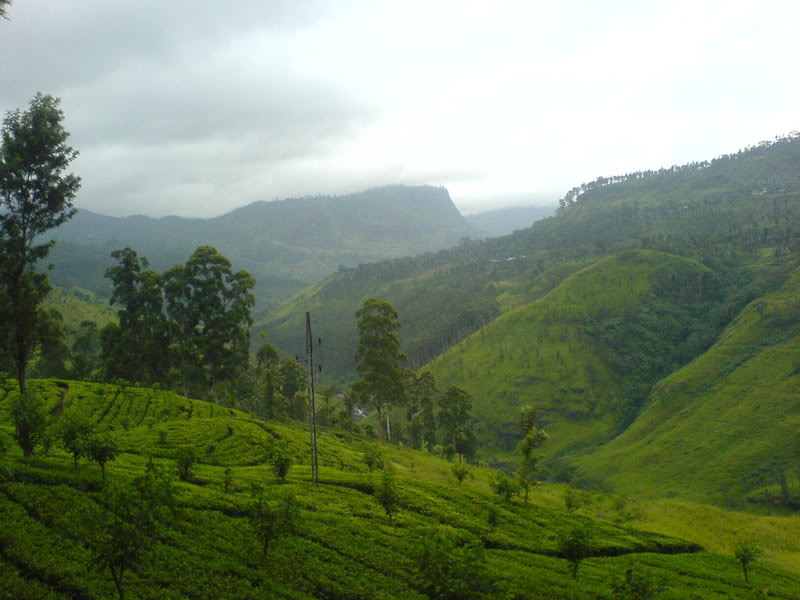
452,568
185,462
270,522
137,514
101,447
574,500
575,546
379,357
454,419
227,483
492,517
74,431
343,548
753,362
202,303
35,197
747,553
460,472
386,494
504,486
372,457
30,423
532,438
636,585
279,458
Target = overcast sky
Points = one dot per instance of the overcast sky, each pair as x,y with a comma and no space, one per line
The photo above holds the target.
194,107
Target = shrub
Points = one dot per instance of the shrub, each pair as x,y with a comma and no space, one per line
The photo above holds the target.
279,458
635,586
504,486
30,423
372,457
747,553
101,448
136,514
574,547
386,494
452,569
270,522
460,472
74,432
227,482
492,517
186,460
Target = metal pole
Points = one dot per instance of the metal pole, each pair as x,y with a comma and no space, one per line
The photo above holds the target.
310,359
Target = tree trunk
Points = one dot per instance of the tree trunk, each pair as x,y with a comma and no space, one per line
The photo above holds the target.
21,375
117,577
388,426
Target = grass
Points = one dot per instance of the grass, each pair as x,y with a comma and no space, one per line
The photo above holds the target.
541,354
77,305
732,414
345,548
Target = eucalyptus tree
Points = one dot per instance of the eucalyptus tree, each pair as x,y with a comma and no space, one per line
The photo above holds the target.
36,195
208,306
454,419
379,357
532,438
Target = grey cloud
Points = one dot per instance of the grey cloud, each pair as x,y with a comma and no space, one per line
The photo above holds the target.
53,44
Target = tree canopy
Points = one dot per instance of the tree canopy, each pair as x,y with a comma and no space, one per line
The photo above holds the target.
36,195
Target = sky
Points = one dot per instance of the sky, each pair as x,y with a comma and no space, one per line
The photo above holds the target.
194,107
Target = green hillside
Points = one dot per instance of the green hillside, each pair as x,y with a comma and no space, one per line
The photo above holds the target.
344,546
584,354
286,244
720,213
732,415
77,305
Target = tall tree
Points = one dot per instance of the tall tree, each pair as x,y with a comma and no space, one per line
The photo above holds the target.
209,309
135,350
267,377
532,438
379,357
4,4
35,196
454,419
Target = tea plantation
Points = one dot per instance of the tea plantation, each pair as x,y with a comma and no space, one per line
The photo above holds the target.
445,540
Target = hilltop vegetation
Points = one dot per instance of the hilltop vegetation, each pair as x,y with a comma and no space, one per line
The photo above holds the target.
344,545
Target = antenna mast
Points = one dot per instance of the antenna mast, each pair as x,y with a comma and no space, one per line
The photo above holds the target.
310,365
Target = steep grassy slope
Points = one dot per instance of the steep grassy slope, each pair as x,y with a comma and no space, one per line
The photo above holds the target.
583,353
724,425
345,547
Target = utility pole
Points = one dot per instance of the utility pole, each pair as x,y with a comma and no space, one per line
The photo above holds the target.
310,365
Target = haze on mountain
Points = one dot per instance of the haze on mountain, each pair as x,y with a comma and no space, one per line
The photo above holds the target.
181,108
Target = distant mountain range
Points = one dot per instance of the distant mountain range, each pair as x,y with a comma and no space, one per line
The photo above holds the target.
286,245
502,221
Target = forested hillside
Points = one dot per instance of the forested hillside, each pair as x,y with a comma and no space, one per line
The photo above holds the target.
720,213
286,244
